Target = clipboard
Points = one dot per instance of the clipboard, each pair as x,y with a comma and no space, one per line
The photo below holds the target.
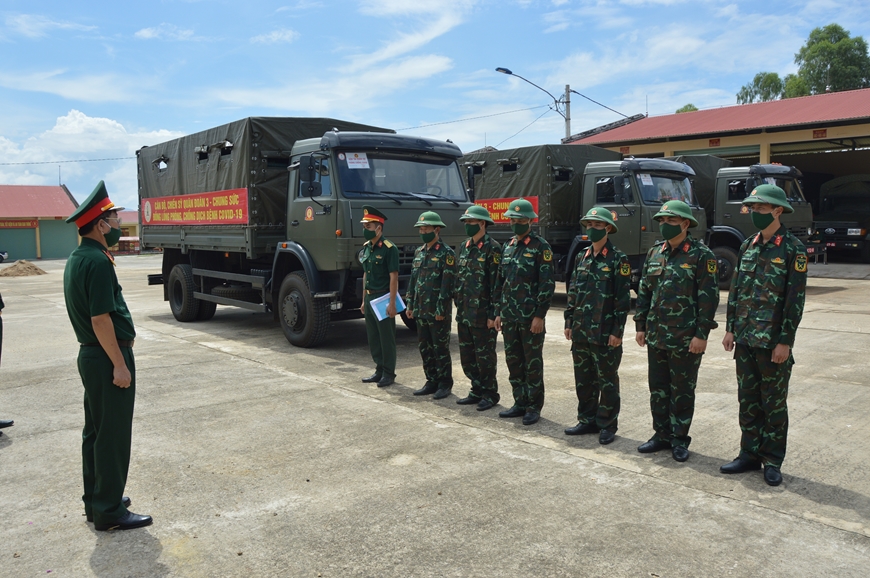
379,305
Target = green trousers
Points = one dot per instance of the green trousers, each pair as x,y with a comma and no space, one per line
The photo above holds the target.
596,379
434,341
524,355
107,434
382,340
479,360
672,379
762,389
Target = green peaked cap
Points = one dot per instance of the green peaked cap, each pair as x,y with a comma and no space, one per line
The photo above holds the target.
769,194
677,209
96,204
477,212
430,218
600,214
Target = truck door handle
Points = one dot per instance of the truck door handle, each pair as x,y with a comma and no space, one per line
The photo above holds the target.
294,224
727,215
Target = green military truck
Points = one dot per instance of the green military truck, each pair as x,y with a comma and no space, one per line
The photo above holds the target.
843,222
263,213
720,189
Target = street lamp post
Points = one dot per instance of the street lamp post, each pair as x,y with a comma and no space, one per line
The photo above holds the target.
566,99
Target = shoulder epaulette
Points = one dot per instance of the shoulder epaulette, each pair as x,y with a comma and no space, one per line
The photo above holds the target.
388,244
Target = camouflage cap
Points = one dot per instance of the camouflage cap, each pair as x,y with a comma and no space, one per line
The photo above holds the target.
96,204
769,194
521,209
371,214
677,209
600,214
477,212
430,218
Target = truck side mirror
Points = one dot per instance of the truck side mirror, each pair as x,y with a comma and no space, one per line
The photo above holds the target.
310,189
307,168
469,171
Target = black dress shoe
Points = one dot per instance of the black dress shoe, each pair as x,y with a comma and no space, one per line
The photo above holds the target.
128,521
124,500
740,465
485,404
653,445
6,422
427,389
582,428
772,476
468,400
680,453
373,378
442,393
606,436
386,380
531,417
512,412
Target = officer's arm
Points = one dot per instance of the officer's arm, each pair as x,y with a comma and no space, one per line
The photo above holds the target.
493,268
731,309
622,290
795,296
104,329
442,306
644,296
707,275
572,298
546,283
393,268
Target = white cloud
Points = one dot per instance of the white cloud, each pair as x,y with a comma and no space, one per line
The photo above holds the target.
34,26
86,88
166,32
282,36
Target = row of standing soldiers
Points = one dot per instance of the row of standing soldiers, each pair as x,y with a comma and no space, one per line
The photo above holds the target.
509,289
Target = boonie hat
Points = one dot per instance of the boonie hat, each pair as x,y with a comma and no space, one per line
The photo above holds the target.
677,209
95,205
371,214
521,209
769,194
477,212
600,214
430,218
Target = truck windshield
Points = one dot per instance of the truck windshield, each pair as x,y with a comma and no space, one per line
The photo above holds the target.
792,188
373,173
656,189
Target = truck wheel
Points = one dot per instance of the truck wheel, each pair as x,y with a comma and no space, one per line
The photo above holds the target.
304,319
206,310
726,259
409,323
185,307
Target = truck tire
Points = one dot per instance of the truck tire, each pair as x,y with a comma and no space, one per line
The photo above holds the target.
726,259
184,306
238,293
409,323
206,310
304,319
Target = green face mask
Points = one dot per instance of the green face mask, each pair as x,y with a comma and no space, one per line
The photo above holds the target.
520,229
762,220
670,231
427,237
113,236
369,235
472,230
596,235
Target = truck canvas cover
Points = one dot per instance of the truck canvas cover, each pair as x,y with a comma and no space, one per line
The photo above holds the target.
252,154
554,173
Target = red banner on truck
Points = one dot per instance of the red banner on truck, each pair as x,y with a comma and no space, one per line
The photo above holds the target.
497,207
219,208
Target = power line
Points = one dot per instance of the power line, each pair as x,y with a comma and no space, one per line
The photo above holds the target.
549,108
76,161
474,117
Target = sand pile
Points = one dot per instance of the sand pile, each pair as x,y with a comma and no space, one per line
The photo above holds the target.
22,268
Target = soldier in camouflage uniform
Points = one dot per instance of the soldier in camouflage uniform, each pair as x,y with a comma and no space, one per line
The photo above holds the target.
476,293
676,303
429,294
765,306
599,297
526,279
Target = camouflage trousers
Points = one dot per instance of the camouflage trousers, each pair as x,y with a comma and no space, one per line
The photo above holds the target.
524,354
672,379
479,360
762,389
596,378
434,340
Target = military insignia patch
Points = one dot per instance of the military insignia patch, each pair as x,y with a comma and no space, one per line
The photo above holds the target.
744,210
778,240
712,266
450,259
548,255
593,212
800,263
605,269
625,270
685,266
778,260
527,255
614,216
496,258
753,193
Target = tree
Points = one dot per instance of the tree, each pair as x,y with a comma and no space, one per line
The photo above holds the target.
687,108
794,86
765,86
832,61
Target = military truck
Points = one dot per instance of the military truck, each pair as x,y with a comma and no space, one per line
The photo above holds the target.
843,223
263,213
721,188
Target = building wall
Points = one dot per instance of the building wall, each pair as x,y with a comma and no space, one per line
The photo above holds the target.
57,239
19,243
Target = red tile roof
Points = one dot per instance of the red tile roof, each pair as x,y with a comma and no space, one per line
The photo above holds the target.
820,109
36,201
128,217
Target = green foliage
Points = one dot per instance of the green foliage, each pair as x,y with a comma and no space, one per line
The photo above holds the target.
687,108
830,61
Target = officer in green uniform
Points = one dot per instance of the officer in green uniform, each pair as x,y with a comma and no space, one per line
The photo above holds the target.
676,303
765,306
3,422
104,328
380,262
526,278
428,300
476,294
599,297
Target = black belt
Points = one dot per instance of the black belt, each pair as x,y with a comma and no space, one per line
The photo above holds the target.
370,292
121,343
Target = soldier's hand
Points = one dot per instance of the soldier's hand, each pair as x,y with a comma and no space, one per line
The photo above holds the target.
614,341
568,333
497,323
490,323
121,377
409,313
537,325
641,338
439,318
728,341
391,309
698,345
780,353
362,308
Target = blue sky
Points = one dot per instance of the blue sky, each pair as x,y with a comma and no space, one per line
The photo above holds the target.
93,80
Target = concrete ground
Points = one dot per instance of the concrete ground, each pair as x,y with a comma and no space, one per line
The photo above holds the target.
256,458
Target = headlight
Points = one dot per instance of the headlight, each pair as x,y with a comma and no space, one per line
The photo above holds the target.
856,232
810,231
